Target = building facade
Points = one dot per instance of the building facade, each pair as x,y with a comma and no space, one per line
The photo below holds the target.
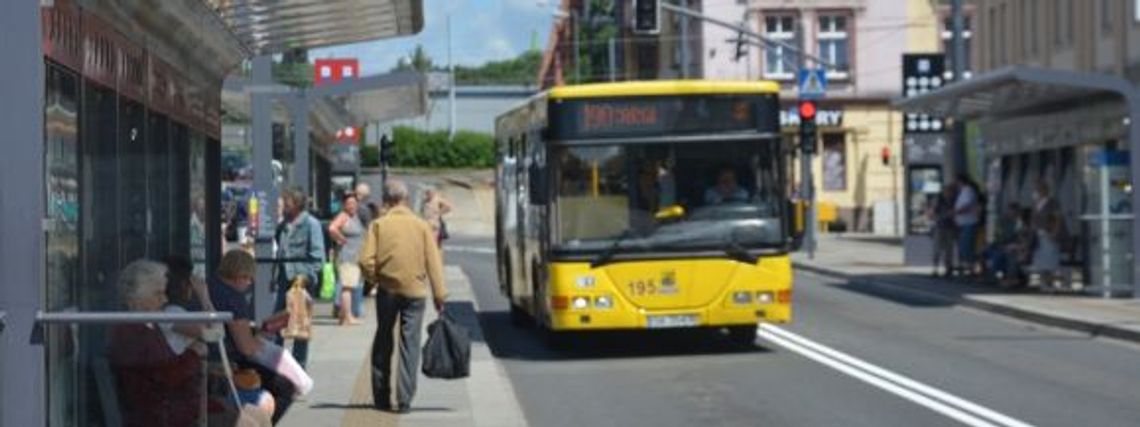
860,133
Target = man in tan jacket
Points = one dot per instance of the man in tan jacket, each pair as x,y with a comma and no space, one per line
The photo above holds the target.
400,254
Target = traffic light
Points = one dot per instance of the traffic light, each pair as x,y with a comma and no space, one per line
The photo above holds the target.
807,112
387,150
741,47
646,16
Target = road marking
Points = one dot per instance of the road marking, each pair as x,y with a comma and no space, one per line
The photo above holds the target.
485,250
964,411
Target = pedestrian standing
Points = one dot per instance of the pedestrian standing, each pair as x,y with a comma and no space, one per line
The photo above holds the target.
300,242
967,216
347,232
367,211
401,255
944,230
1048,224
433,208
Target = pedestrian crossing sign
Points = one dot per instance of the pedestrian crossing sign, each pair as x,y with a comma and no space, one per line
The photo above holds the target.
812,83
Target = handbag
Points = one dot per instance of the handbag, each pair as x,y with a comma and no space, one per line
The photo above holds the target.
328,281
443,234
447,351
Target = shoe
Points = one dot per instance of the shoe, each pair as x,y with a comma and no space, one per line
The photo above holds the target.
400,410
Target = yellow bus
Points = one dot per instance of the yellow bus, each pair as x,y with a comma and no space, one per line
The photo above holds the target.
643,205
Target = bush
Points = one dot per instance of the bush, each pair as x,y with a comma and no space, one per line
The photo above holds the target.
369,156
416,148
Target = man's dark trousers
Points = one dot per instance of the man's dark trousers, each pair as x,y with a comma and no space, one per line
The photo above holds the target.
396,349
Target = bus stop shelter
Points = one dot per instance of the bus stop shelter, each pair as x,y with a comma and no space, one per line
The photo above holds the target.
149,62
1009,92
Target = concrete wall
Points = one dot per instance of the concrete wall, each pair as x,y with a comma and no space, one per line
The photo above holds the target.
719,55
474,113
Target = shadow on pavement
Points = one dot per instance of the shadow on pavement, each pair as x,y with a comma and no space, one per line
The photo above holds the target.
529,343
914,290
463,313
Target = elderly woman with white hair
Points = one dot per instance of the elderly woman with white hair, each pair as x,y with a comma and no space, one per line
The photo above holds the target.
157,385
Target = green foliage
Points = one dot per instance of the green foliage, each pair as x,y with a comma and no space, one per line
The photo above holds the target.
369,156
294,74
416,148
520,70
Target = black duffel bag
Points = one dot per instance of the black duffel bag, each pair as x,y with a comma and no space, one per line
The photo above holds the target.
447,352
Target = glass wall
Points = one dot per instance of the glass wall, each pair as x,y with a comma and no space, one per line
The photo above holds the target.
122,183
61,156
197,194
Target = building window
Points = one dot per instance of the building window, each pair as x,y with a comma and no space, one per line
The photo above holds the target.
833,43
779,61
948,40
834,160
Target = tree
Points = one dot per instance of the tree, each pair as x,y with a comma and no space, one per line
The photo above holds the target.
417,60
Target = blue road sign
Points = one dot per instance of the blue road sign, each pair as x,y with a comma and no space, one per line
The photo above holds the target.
812,83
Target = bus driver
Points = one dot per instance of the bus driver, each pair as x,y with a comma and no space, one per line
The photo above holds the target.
727,190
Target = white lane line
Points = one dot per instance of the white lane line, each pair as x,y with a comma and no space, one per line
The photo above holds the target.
968,413
485,250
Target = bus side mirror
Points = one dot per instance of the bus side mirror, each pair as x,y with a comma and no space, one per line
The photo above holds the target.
669,213
537,191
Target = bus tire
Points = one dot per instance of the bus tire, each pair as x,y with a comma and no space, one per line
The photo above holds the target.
743,336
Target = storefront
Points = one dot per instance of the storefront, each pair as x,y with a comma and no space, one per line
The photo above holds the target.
854,138
1071,133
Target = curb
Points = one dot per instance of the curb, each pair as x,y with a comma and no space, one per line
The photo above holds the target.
458,182
1093,329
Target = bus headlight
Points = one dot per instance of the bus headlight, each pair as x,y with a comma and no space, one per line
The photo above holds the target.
580,303
742,297
764,297
604,301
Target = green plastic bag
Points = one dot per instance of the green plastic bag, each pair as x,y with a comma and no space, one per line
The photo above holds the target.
328,281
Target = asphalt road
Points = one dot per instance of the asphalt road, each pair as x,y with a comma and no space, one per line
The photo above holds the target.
855,355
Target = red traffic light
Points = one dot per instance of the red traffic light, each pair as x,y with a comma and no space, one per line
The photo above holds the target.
807,110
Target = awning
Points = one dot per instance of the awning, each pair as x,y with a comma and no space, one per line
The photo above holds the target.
1012,90
273,26
384,97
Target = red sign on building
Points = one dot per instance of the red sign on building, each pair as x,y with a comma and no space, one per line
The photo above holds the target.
334,70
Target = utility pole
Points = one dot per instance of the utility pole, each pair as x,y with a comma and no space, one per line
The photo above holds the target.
684,42
451,84
807,189
613,59
958,134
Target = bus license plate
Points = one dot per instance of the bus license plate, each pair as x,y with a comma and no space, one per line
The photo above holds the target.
674,321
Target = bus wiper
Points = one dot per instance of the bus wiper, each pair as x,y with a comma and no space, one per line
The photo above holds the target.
737,252
607,255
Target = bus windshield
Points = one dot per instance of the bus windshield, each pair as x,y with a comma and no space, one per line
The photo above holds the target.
670,196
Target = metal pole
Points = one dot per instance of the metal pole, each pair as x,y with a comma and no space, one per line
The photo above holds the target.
684,43
613,59
22,388
1133,100
577,48
808,189
959,69
451,84
299,109
265,188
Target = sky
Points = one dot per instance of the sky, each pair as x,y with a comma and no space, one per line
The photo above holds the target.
482,30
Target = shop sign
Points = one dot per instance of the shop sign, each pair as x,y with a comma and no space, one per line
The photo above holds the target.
823,117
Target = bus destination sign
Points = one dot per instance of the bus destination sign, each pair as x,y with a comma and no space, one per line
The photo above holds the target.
647,116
